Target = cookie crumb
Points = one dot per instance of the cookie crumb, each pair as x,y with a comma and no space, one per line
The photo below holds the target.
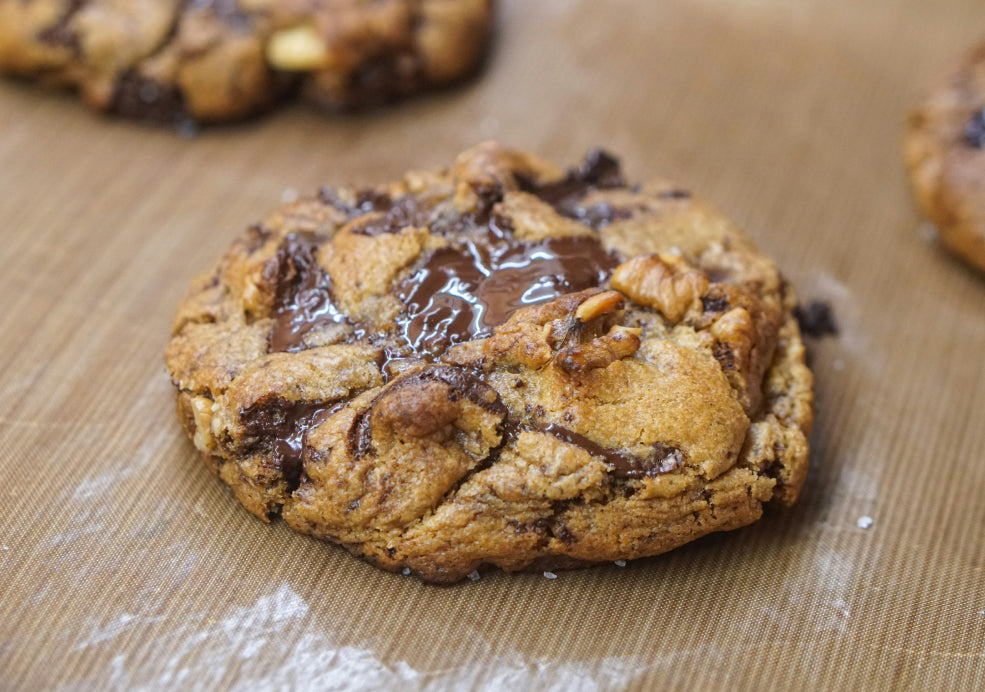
289,196
864,522
550,575
620,563
474,575
815,319
405,571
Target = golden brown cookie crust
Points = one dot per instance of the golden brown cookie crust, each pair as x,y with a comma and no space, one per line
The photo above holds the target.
634,382
178,61
944,149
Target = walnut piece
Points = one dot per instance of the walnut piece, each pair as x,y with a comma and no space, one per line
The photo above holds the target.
620,342
664,282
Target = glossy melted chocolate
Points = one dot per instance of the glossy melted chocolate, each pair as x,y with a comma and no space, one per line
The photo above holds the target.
462,293
303,297
281,425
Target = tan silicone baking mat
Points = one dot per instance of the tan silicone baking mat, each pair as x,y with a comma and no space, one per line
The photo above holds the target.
125,565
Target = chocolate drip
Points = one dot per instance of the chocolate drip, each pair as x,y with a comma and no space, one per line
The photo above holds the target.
974,131
464,384
303,294
662,459
464,292
281,426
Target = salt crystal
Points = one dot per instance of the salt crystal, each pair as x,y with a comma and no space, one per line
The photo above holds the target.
620,563
550,575
405,571
474,575
864,522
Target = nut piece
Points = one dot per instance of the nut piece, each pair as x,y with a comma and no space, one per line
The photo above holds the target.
620,342
599,304
664,282
298,49
735,336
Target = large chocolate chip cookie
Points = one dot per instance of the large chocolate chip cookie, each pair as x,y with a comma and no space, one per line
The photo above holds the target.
497,364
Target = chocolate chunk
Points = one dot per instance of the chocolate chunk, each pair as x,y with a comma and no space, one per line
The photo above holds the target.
599,171
144,99
463,292
303,293
382,78
974,130
712,303
816,319
663,458
400,213
279,425
463,384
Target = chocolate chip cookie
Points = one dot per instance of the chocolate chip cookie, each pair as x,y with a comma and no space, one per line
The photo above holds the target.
211,60
945,152
501,364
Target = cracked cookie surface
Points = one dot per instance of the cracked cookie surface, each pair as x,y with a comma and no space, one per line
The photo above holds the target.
178,61
944,147
499,364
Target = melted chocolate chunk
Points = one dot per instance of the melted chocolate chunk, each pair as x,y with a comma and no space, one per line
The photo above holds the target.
144,99
815,319
60,33
974,130
464,384
303,294
280,426
599,171
662,458
463,292
400,213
